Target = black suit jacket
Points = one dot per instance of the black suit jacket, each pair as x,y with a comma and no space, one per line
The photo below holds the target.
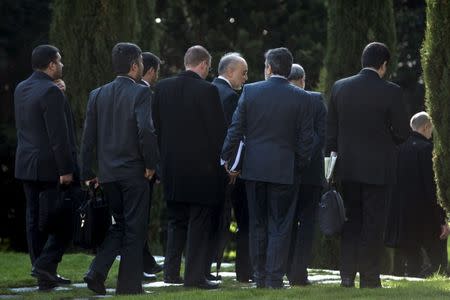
43,149
229,98
275,118
365,115
118,132
190,126
414,205
313,174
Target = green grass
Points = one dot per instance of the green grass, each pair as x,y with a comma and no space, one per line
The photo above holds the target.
16,267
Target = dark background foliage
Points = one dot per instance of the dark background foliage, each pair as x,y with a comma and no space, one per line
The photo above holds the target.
326,37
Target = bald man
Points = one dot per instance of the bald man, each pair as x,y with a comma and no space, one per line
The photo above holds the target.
233,71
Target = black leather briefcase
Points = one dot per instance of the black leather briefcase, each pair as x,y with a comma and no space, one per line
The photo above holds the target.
92,220
331,212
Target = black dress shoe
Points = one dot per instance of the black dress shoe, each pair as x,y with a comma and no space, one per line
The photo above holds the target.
148,277
95,282
211,277
370,285
45,286
43,275
174,280
300,283
63,280
154,270
204,285
347,283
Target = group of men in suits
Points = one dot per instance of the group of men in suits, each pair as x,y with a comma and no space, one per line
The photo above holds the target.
186,131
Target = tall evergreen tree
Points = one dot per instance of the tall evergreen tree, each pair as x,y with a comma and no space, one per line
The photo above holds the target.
86,30
436,63
351,25
224,26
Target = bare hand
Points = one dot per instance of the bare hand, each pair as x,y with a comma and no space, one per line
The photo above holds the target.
233,176
445,231
149,174
92,181
61,84
66,179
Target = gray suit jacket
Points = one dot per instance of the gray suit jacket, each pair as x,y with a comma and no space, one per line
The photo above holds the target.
275,118
119,132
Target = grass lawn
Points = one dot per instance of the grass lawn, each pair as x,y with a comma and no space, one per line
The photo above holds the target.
15,268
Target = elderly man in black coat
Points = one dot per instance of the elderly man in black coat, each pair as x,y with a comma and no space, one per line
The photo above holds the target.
421,221
312,180
190,126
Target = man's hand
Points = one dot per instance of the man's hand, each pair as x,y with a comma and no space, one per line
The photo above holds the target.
445,231
92,181
66,179
233,176
149,174
61,84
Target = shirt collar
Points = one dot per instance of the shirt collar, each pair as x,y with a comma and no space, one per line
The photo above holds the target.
277,76
226,80
146,82
128,77
371,69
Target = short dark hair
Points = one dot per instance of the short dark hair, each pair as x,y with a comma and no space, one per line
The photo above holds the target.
124,55
195,55
42,55
150,60
374,55
280,60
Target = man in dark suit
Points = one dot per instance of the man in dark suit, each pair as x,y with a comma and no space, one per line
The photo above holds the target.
420,219
279,139
232,75
119,132
150,76
44,156
312,180
190,126
365,115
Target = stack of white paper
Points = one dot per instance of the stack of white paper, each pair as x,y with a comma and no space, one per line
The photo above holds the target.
330,162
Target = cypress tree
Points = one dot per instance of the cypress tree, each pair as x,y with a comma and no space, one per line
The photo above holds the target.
352,24
85,31
436,64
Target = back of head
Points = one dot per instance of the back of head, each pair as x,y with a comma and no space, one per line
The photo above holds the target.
123,57
228,60
419,120
280,60
150,60
374,55
42,55
297,72
196,55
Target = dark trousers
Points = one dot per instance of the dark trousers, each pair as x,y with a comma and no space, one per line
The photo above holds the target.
149,260
271,210
128,201
188,226
240,207
303,233
410,260
362,234
46,249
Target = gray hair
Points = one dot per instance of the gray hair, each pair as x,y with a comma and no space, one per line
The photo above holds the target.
297,72
227,60
419,120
